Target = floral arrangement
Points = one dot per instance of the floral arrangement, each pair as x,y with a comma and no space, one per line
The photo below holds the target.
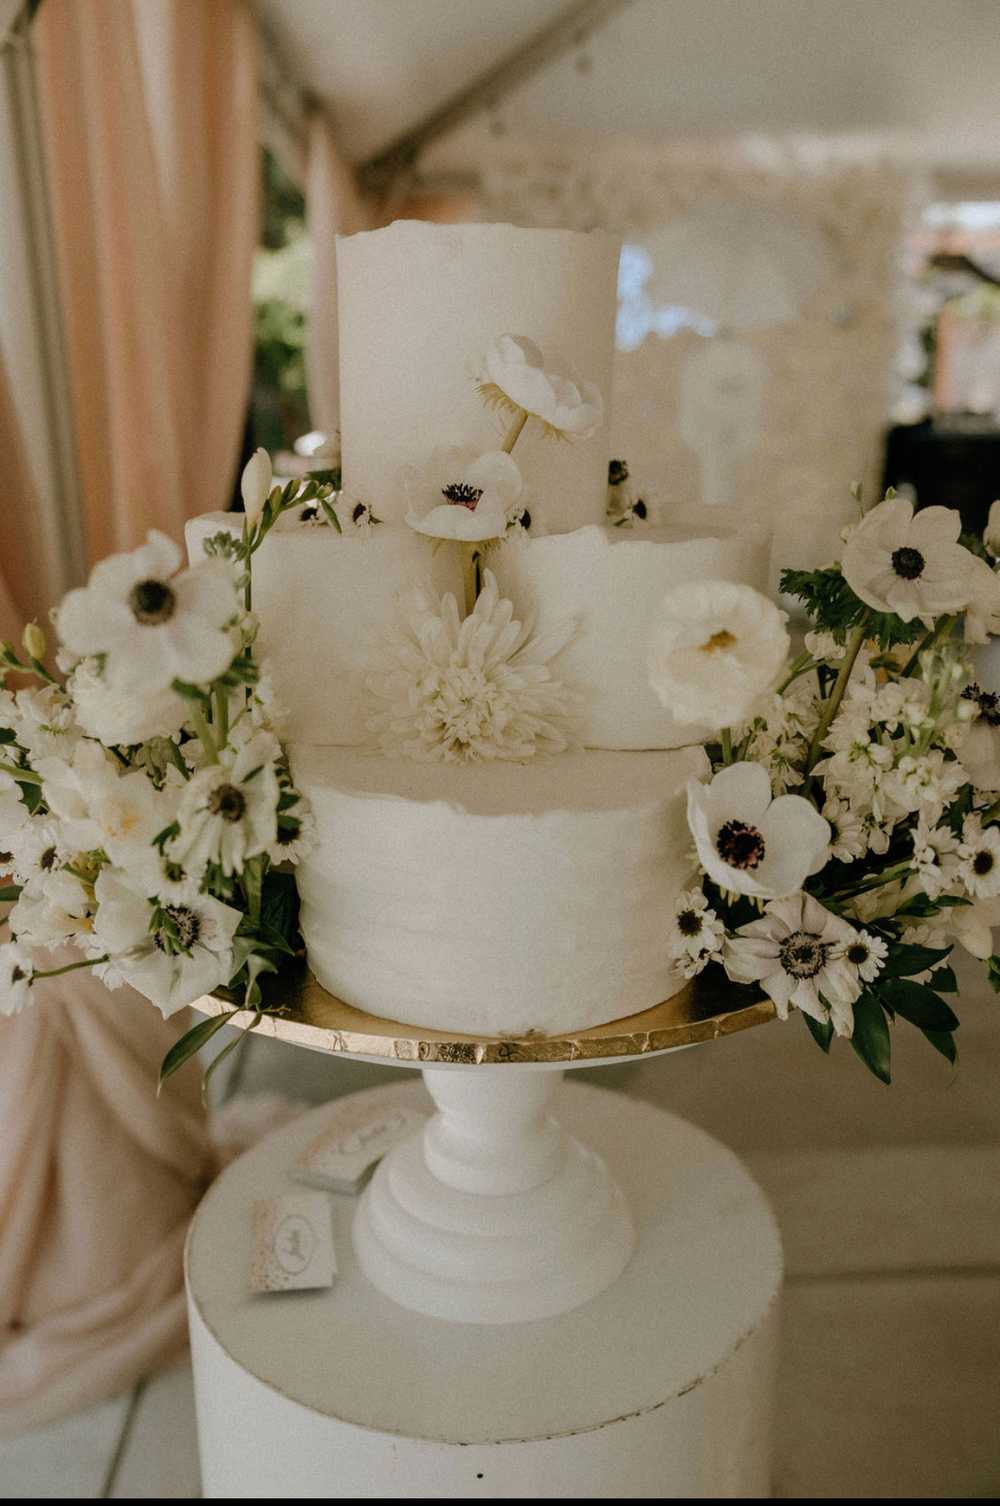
849,835
148,816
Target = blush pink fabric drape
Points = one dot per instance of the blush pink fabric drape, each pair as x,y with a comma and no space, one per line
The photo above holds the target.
149,123
21,575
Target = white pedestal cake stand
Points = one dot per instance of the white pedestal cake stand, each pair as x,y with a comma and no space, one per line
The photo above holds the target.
578,1307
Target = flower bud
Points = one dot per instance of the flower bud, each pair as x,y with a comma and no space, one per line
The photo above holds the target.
34,642
255,483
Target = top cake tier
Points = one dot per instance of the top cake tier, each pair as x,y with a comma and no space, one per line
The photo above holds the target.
420,304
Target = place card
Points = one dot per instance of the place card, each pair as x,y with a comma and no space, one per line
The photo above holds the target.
292,1243
356,1137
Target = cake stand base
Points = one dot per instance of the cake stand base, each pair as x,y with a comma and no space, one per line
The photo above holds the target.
492,1213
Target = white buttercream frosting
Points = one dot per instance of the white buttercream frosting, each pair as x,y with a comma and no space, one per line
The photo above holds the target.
324,601
610,581
495,899
419,305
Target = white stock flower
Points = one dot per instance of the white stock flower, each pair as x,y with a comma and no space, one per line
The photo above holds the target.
847,836
462,494
255,485
926,783
910,564
796,952
454,691
13,816
750,844
228,811
715,649
153,624
173,954
980,859
118,717
101,807
15,977
52,908
514,376
698,933
43,721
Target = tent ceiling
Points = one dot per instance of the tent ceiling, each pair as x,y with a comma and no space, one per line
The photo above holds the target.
679,66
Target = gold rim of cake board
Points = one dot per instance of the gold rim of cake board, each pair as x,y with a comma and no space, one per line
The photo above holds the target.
311,1017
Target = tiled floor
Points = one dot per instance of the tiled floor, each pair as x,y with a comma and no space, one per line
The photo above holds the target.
889,1201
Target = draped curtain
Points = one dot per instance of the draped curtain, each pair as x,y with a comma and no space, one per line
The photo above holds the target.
21,585
149,124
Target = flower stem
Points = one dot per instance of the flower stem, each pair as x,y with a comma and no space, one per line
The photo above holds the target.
71,967
248,588
204,732
220,703
930,638
726,738
514,432
832,706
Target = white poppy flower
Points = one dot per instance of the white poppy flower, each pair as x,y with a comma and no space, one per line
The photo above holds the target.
52,908
173,962
972,926
101,807
228,811
909,563
120,718
153,624
479,491
255,485
15,977
514,376
980,748
749,843
796,952
716,648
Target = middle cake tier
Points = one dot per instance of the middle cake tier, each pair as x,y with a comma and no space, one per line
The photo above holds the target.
495,899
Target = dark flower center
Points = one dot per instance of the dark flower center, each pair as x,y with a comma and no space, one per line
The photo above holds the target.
187,925
802,955
461,494
228,802
908,563
18,975
5,857
983,862
309,514
858,953
47,859
617,472
987,701
689,923
359,511
740,845
640,509
152,602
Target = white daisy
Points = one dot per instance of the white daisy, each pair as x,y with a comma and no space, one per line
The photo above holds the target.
980,859
698,933
462,494
153,624
796,952
866,954
16,975
515,377
173,953
749,843
228,812
910,564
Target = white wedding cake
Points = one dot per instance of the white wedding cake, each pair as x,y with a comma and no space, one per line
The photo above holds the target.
499,797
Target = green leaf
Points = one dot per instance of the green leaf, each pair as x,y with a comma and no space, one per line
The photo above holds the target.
943,1041
871,1038
944,981
279,909
330,515
993,972
9,893
904,960
821,1034
192,1041
916,1003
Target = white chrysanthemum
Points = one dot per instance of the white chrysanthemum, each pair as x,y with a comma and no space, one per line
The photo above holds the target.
749,843
698,933
120,718
462,494
173,954
514,376
228,811
153,624
716,648
454,691
15,977
796,952
909,563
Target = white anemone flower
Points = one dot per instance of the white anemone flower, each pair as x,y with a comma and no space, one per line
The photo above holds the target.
972,926
980,747
228,811
797,953
35,846
698,933
979,855
172,953
16,974
749,843
715,650
52,907
910,563
453,690
462,494
153,624
120,718
516,378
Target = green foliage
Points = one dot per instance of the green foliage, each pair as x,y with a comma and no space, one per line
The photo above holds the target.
871,1038
822,1033
835,609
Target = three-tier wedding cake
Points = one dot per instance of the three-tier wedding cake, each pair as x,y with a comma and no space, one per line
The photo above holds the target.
499,796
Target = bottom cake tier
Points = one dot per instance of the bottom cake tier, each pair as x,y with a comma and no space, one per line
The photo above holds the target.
495,899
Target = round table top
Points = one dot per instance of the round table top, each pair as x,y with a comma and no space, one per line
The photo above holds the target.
705,1275
704,1010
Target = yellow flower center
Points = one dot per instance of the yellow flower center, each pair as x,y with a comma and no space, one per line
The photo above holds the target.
720,640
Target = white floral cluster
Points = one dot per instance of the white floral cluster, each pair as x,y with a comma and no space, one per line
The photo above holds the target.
145,799
850,834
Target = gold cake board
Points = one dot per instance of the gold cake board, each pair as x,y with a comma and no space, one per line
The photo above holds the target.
311,1017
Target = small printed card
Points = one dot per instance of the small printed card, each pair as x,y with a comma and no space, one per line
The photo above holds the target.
292,1243
356,1137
